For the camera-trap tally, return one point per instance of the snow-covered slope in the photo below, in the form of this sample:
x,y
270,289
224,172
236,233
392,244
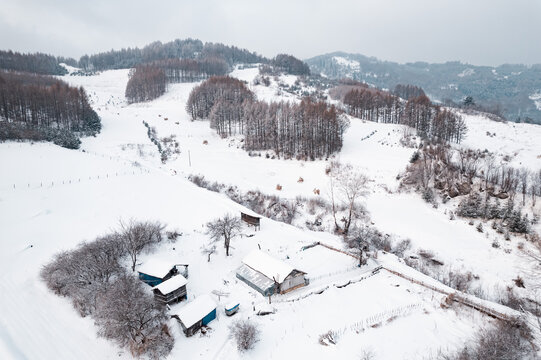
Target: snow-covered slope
x,y
52,199
519,142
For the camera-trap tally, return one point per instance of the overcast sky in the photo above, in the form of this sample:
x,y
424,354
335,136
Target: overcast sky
x,y
481,32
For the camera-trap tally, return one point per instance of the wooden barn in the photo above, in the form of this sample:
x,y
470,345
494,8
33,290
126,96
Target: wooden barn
x,y
171,290
269,275
196,314
154,272
251,219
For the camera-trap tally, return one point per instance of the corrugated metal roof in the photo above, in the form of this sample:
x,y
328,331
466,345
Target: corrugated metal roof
x,y
256,278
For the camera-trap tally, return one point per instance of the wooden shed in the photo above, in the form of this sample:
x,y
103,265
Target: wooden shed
x,y
171,290
268,275
251,219
196,314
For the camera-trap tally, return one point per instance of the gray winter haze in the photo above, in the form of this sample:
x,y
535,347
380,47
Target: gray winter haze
x,y
480,32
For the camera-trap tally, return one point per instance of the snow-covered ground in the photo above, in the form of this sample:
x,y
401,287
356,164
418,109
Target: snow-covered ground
x,y
519,141
52,199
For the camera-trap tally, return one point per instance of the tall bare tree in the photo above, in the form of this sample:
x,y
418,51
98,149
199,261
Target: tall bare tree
x,y
347,185
226,227
139,236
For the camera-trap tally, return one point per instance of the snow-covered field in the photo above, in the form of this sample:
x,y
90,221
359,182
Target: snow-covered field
x,y
52,199
519,141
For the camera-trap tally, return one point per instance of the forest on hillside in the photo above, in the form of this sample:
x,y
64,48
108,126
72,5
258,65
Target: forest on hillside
x,y
38,107
308,130
506,90
176,49
37,63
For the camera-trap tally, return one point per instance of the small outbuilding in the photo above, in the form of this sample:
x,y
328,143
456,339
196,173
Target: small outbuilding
x,y
154,271
251,219
196,314
171,290
268,275
231,308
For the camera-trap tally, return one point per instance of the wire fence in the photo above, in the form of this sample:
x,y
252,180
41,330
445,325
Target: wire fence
x,y
137,169
47,184
321,290
334,273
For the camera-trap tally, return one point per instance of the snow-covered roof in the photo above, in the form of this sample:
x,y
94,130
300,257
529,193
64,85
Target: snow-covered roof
x,y
272,268
155,267
171,284
250,212
231,304
196,310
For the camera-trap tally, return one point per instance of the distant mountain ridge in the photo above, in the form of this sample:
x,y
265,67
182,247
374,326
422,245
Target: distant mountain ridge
x,y
513,90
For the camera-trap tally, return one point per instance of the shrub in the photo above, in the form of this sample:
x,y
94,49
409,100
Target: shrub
x,y
245,333
507,340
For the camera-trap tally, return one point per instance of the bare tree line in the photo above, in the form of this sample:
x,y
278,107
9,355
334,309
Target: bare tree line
x,y
305,130
147,82
190,70
431,121
37,63
93,277
476,174
204,96
40,107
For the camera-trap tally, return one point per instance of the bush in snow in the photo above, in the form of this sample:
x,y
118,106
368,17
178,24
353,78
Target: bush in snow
x,y
471,206
428,195
510,340
479,227
518,223
245,333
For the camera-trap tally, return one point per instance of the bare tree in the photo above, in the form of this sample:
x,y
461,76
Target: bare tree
x,y
359,241
523,178
533,255
138,236
489,171
245,333
226,227
535,186
346,185
83,273
128,314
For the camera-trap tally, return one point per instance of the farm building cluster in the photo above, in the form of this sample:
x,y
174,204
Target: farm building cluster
x,y
260,271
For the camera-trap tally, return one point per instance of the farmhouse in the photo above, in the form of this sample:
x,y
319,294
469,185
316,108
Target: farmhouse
x,y
251,219
269,275
154,272
171,290
196,314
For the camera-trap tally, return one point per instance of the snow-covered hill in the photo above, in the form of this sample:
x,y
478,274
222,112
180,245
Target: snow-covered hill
x,y
52,199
